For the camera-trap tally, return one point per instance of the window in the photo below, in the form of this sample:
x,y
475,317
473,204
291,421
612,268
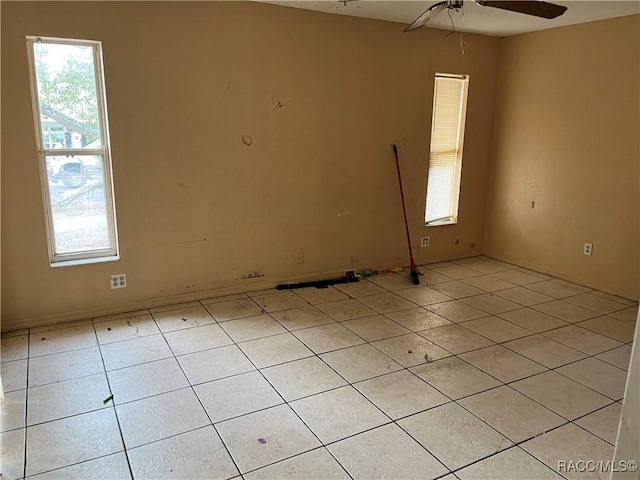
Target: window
x,y
72,138
445,157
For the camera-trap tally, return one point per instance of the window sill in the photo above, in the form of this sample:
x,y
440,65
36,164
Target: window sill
x,y
442,222
84,261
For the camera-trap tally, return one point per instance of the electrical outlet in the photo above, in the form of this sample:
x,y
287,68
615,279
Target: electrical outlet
x,y
119,281
298,258
588,249
425,241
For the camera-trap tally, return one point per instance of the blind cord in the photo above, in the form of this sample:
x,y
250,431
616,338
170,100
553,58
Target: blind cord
x,y
461,35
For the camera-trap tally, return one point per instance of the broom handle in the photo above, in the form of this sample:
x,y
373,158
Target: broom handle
x,y
404,209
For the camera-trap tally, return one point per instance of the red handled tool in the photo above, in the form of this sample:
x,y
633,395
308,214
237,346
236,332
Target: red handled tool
x,y
414,269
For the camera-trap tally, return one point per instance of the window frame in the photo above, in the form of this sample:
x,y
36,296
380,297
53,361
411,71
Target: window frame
x,y
85,256
451,219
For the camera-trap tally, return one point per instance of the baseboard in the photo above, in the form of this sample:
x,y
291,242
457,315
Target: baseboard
x,y
556,274
32,322
154,302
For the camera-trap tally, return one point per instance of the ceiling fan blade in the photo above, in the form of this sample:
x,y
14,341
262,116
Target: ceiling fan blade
x,y
429,14
535,8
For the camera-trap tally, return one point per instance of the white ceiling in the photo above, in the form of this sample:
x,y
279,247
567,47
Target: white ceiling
x,y
474,18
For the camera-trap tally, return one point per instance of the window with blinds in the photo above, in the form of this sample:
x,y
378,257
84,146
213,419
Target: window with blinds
x,y
445,157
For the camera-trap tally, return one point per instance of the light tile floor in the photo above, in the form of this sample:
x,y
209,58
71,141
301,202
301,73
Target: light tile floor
x,y
486,370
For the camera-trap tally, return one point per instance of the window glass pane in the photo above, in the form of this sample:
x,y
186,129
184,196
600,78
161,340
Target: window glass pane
x,y
67,96
439,192
78,203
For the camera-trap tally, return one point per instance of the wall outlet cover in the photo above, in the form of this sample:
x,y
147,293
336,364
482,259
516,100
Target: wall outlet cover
x,y
118,280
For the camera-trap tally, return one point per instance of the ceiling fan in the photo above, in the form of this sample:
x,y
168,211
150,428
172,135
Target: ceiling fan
x,y
534,7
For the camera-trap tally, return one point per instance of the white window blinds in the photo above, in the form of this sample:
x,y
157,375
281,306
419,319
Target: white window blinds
x,y
445,158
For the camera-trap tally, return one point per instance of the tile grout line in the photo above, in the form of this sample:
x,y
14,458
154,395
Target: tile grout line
x,y
612,401
26,407
514,446
531,376
202,405
283,399
71,416
352,385
591,413
189,386
287,403
348,384
113,405
485,423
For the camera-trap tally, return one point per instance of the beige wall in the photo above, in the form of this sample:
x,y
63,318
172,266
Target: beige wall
x,y
566,136
184,82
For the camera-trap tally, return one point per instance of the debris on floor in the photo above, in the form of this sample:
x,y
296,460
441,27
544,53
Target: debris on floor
x,y
316,283
428,358
262,441
108,399
350,273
